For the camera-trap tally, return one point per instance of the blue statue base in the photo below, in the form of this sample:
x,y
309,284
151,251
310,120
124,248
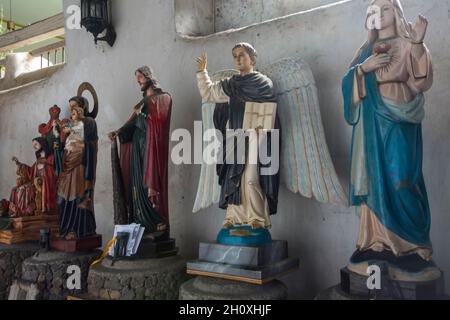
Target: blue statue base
x,y
244,236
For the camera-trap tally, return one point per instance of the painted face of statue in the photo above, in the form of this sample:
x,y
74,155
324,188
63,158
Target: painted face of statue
x,y
73,104
54,114
141,80
74,115
37,146
384,9
242,60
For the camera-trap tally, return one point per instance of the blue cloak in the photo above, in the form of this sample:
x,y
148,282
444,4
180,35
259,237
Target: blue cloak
x,y
387,157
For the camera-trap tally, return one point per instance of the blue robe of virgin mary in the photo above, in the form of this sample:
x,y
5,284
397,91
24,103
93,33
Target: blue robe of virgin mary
x,y
386,165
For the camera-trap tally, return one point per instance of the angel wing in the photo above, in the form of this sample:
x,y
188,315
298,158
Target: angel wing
x,y
306,165
208,191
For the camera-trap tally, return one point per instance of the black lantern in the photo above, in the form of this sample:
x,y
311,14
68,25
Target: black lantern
x,y
95,17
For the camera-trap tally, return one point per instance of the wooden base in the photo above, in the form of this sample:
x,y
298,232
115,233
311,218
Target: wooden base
x,y
80,245
77,298
28,229
238,278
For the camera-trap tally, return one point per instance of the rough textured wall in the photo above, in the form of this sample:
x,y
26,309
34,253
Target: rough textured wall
x,y
194,17
239,13
323,236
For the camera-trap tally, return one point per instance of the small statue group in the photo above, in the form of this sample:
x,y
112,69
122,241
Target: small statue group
x,y
62,179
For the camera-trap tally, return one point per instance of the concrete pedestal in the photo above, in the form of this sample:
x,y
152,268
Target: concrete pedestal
x,y
48,271
11,259
353,286
206,288
335,293
139,279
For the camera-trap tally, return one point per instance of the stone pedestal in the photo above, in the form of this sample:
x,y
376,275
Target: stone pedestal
x,y
335,293
11,259
206,288
355,285
48,271
137,279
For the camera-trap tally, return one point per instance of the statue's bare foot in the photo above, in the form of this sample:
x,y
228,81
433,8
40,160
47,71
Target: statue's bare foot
x,y
228,225
161,227
71,236
86,204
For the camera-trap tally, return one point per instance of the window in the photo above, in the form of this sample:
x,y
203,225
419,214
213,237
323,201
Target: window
x,y
33,41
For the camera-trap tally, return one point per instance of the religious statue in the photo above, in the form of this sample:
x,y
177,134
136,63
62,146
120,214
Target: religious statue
x,y
23,200
144,152
76,181
51,131
40,178
384,102
265,109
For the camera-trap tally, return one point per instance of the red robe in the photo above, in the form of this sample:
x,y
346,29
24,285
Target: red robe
x,y
21,202
49,181
156,154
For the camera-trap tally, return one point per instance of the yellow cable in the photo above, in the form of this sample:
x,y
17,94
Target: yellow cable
x,y
105,252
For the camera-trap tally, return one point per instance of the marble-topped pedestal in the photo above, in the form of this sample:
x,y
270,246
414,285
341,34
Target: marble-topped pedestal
x,y
251,264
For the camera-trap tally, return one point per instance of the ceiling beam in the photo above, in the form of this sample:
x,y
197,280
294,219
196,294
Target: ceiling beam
x,y
42,30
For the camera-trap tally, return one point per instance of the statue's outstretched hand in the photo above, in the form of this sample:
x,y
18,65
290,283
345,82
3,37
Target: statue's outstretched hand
x,y
14,159
419,29
202,62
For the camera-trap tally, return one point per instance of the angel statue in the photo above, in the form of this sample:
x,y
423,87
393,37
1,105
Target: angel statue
x,y
247,100
384,102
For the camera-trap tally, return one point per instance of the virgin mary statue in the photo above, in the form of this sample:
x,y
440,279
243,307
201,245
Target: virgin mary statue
x,y
384,102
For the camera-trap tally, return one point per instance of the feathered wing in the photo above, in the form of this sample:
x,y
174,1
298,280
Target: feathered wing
x,y
306,165
208,191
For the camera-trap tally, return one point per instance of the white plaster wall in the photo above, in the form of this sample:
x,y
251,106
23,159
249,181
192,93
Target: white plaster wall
x,y
231,14
322,236
194,17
